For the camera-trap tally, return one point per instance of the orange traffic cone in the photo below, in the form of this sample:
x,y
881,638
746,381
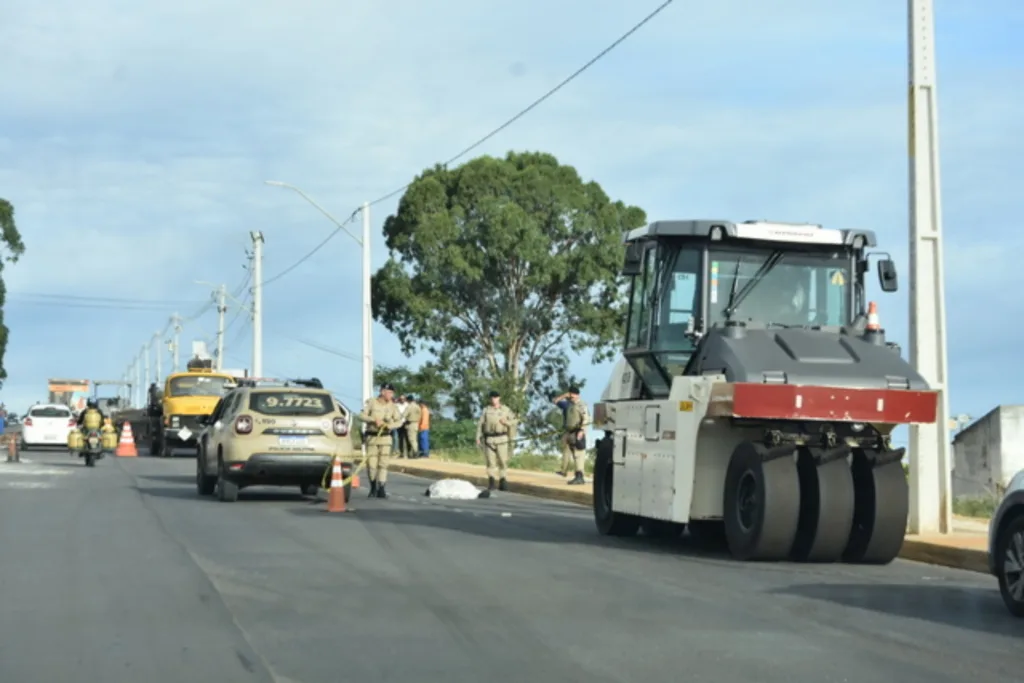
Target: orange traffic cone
x,y
126,448
874,323
355,481
336,494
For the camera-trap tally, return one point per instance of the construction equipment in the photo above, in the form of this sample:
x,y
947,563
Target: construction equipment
x,y
757,395
187,396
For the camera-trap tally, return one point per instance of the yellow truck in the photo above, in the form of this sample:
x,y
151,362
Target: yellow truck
x,y
175,413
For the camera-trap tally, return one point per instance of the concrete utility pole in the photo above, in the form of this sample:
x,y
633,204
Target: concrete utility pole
x,y
138,380
931,505
129,394
367,309
257,303
176,344
222,308
158,349
145,352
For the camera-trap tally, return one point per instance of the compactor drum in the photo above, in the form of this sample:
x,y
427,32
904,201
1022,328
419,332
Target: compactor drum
x,y
756,395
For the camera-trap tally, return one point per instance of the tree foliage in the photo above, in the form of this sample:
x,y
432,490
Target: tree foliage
x,y
500,268
427,384
11,249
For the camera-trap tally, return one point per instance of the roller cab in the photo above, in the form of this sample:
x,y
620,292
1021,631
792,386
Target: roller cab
x,y
756,394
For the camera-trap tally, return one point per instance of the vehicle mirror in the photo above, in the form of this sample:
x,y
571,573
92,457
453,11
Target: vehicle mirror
x,y
634,264
887,276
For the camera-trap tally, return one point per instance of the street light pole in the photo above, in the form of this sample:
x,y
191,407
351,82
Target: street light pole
x,y
138,379
931,505
222,308
145,351
159,351
257,304
367,310
176,348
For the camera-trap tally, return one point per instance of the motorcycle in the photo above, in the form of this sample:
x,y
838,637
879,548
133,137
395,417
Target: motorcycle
x,y
91,444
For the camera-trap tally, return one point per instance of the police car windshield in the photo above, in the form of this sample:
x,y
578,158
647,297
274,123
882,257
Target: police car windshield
x,y
201,386
800,289
292,403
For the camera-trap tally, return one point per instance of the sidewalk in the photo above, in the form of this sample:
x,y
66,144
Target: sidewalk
x,y
965,548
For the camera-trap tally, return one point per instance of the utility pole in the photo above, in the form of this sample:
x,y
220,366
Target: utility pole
x,y
145,351
367,310
931,505
222,308
138,380
257,303
130,388
158,349
176,344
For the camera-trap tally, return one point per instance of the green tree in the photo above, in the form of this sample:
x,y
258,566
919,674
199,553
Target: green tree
x,y
501,268
11,249
427,384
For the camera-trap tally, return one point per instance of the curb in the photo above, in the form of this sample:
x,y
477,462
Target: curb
x,y
944,555
913,549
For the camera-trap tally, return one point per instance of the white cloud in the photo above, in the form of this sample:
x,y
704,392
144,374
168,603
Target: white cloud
x,y
134,142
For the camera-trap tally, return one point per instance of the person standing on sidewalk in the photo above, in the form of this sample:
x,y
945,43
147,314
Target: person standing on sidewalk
x,y
492,433
411,427
424,435
399,432
380,415
577,419
562,402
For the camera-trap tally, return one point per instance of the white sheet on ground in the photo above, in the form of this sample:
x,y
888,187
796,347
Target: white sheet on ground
x,y
454,489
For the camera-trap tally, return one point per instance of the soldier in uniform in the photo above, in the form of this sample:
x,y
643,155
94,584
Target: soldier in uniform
x,y
492,432
574,445
380,415
412,427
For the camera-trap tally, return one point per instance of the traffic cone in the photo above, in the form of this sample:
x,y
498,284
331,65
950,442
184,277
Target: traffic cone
x,y
336,494
874,323
126,447
355,481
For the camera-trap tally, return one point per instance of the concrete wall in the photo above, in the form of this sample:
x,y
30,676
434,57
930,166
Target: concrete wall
x,y
988,453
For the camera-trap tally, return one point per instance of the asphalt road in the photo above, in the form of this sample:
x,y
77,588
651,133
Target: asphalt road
x,y
121,574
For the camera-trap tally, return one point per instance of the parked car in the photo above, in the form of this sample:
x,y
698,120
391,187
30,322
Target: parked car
x,y
273,433
47,424
1006,546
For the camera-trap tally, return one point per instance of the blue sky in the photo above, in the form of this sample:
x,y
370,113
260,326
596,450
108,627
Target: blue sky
x,y
134,142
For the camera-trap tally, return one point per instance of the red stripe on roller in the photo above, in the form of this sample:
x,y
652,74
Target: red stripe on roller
x,y
792,402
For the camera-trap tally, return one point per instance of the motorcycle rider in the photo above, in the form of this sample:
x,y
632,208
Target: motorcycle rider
x,y
92,418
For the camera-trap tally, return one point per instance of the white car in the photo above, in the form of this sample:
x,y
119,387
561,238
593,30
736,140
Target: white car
x,y
1006,546
47,424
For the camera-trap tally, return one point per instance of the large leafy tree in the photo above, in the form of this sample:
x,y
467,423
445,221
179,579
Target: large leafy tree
x,y
501,268
11,249
427,383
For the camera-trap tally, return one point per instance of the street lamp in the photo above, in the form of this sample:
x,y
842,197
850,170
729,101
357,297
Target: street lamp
x,y
364,243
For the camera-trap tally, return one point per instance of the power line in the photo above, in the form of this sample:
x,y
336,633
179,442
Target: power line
x,y
107,306
100,299
523,112
314,250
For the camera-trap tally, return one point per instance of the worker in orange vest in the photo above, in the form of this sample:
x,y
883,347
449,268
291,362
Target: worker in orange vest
x,y
424,432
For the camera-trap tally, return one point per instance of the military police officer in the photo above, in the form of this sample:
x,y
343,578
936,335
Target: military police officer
x,y
574,445
492,432
380,415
